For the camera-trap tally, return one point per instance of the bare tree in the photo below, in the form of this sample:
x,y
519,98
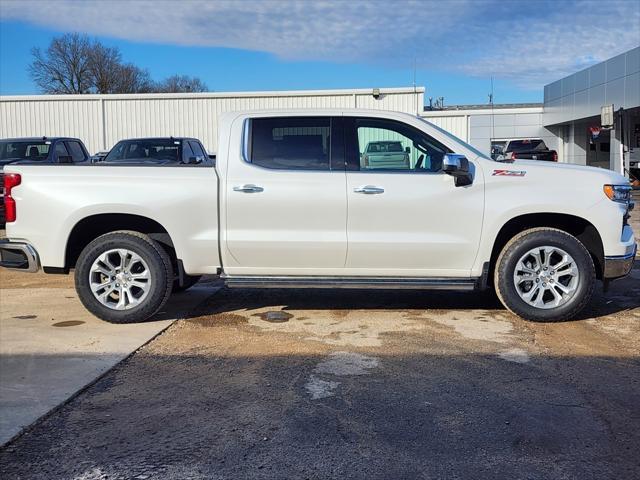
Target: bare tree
x,y
105,64
181,84
132,79
74,63
64,66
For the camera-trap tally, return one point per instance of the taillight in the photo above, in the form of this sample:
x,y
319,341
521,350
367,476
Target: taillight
x,y
554,156
10,180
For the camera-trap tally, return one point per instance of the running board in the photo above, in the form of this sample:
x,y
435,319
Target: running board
x,y
411,283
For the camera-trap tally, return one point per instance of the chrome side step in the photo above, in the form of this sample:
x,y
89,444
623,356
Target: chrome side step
x,y
414,283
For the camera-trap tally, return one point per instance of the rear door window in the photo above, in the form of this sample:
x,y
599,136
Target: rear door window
x,y
187,152
61,150
77,153
289,143
197,149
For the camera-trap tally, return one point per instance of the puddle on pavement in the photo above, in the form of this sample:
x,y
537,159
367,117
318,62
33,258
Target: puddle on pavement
x,y
68,323
275,316
516,355
25,317
337,364
217,320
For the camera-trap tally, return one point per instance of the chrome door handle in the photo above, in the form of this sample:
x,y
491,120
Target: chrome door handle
x,y
248,189
369,190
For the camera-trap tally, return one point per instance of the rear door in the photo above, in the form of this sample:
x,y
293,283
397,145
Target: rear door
x,y
286,200
407,218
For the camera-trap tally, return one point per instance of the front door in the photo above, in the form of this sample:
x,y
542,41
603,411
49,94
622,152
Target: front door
x,y
405,216
286,206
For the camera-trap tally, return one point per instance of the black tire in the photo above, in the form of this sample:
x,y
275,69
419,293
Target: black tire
x,y
160,276
189,281
538,237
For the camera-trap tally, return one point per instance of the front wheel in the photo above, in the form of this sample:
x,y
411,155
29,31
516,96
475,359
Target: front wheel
x,y
123,277
544,274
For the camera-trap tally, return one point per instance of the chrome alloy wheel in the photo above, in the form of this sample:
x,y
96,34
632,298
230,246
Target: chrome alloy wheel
x,y
120,279
546,277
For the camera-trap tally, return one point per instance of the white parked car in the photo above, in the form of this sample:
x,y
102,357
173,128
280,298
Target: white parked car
x,y
291,203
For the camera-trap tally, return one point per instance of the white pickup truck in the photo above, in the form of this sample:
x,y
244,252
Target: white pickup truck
x,y
291,203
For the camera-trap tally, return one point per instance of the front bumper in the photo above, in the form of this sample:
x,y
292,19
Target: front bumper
x,y
18,255
619,266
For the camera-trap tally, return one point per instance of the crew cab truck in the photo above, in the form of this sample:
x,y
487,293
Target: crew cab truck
x,y
291,203
528,149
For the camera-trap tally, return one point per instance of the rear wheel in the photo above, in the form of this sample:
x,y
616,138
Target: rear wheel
x,y
544,274
123,277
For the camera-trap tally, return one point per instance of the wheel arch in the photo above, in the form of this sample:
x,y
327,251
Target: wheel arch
x,y
92,226
579,227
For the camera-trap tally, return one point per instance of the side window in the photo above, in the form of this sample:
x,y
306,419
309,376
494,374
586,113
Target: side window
x,y
289,143
77,153
61,150
187,153
387,145
197,150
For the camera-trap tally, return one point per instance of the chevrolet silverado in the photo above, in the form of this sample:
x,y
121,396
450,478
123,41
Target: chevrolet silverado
x,y
291,202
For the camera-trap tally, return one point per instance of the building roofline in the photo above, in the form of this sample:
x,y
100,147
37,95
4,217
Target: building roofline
x,y
483,106
271,93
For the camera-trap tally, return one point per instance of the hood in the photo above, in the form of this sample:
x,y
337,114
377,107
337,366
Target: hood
x,y
565,170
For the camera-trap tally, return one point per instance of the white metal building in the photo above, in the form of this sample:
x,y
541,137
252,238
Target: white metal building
x,y
483,126
101,120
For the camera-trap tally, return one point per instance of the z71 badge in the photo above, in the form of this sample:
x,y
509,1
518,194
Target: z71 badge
x,y
509,173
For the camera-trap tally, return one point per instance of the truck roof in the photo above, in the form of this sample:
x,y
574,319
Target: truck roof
x,y
37,139
157,138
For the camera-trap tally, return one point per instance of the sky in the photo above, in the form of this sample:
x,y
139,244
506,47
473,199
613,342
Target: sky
x,y
453,48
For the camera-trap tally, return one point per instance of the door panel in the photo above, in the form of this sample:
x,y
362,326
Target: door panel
x,y
406,217
421,225
286,211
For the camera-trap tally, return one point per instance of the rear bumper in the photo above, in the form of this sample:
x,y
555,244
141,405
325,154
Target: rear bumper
x,y
18,255
619,266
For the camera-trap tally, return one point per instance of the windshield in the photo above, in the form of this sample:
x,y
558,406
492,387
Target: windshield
x,y
456,139
524,145
162,150
384,147
21,150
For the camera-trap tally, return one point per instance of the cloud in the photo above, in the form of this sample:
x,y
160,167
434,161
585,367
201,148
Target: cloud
x,y
528,43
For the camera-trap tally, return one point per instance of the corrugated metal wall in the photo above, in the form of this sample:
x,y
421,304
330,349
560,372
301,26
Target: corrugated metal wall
x,y
101,120
457,125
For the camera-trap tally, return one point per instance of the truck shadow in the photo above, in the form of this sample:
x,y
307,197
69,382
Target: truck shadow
x,y
622,295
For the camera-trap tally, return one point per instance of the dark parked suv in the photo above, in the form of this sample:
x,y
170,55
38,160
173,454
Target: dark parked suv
x,y
38,150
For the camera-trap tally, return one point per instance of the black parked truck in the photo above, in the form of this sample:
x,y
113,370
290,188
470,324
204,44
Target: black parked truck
x,y
528,149
157,151
63,150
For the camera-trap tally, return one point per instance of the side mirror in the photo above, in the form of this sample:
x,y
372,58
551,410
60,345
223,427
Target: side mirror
x,y
458,167
195,160
65,159
407,150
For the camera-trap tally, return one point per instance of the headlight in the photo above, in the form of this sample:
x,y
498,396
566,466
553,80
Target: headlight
x,y
618,193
